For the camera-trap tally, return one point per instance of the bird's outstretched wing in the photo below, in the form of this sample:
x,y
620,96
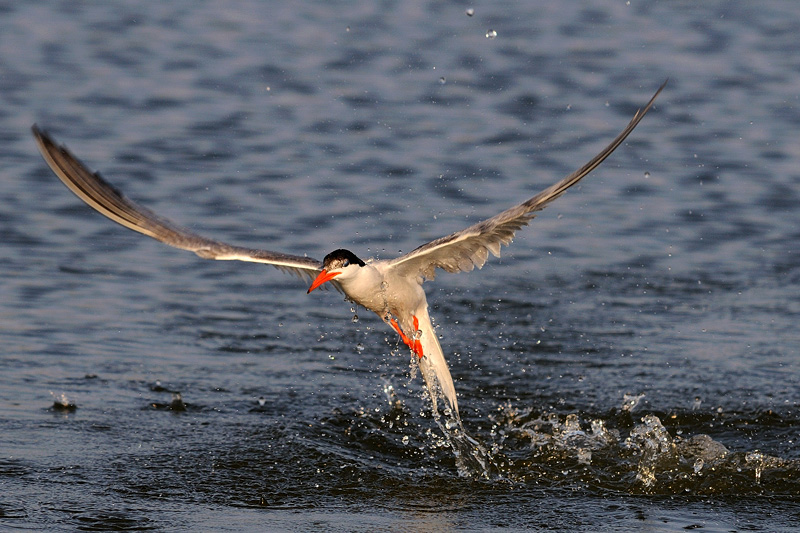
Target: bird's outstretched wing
x,y
469,248
102,196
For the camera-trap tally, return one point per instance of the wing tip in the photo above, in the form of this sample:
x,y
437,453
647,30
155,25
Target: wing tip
x,y
41,136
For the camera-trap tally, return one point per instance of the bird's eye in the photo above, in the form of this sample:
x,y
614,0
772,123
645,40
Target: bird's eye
x,y
346,263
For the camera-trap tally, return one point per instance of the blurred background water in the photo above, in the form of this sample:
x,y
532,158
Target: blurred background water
x,y
632,360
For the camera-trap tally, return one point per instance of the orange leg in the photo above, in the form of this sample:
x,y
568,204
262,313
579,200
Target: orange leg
x,y
417,344
399,331
414,344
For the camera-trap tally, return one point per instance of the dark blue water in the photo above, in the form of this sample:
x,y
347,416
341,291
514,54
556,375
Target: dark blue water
x,y
631,362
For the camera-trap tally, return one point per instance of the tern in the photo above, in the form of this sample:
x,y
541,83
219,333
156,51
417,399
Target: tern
x,y
390,288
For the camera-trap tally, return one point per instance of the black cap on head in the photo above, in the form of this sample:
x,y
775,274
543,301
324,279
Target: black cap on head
x,y
341,258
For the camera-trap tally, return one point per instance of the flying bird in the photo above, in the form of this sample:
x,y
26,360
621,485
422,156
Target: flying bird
x,y
390,288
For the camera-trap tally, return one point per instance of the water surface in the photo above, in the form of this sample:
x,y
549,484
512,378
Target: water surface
x,y
631,362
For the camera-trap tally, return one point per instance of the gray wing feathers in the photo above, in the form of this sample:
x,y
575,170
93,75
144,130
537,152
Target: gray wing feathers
x,y
469,248
102,196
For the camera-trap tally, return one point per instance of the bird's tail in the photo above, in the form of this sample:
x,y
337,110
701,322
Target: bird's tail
x,y
433,365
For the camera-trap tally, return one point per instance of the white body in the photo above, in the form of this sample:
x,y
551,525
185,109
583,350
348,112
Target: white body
x,y
381,289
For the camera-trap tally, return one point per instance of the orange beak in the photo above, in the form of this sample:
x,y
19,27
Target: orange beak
x,y
322,278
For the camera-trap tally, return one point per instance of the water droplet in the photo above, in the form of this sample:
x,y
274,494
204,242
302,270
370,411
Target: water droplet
x,y
442,80
697,402
646,174
360,347
405,439
262,401
584,456
62,403
355,318
177,403
491,34
630,401
470,11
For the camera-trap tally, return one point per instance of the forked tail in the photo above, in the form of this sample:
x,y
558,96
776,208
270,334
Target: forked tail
x,y
433,365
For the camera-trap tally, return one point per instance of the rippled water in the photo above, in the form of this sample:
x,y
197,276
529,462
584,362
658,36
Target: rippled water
x,y
630,363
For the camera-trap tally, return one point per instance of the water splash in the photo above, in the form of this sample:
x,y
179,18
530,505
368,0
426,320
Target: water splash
x,y
655,448
472,458
630,401
696,403
640,456
62,404
613,451
177,404
759,462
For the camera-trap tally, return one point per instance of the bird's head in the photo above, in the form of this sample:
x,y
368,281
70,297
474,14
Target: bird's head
x,y
340,262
